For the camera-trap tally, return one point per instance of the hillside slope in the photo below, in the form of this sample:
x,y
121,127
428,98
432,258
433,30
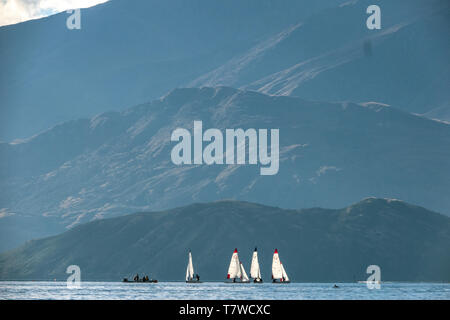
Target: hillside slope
x,y
319,50
331,154
332,56
409,243
126,53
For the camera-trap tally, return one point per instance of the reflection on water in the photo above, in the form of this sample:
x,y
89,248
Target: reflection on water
x,y
221,291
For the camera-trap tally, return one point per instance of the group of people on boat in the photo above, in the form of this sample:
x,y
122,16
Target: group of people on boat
x,y
144,278
138,279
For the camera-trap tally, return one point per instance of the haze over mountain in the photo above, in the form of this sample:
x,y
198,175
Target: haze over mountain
x,y
116,163
94,135
126,52
130,52
409,243
333,56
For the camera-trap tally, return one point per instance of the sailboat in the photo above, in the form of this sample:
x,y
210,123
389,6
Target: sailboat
x,y
236,270
255,271
279,274
190,277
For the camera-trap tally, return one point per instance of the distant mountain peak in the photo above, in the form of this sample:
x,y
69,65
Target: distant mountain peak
x,y
182,94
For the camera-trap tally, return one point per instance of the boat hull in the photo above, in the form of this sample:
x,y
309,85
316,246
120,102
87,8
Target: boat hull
x,y
237,282
140,281
281,282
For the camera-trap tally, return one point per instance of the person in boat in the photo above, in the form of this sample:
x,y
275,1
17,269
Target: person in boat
x,y
335,286
146,278
136,277
197,277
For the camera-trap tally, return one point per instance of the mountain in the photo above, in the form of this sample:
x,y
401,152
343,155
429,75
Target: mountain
x,y
130,52
333,56
116,163
407,242
126,53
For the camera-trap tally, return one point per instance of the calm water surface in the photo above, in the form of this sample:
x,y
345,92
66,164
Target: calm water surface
x,y
221,291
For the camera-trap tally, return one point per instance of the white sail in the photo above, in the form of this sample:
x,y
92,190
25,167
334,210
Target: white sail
x,y
283,272
244,276
277,272
255,272
234,271
190,268
187,273
239,269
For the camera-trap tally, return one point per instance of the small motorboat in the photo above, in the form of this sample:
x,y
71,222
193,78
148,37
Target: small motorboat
x,y
140,280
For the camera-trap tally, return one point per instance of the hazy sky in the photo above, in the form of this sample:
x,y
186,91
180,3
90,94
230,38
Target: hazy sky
x,y
14,11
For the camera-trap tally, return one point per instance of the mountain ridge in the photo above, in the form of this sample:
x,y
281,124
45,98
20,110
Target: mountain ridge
x,y
263,45
318,245
116,59
330,154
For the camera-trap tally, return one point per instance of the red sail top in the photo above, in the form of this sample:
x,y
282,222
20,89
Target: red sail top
x,y
276,251
235,250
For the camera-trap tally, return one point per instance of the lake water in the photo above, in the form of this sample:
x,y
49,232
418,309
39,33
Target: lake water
x,y
220,291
